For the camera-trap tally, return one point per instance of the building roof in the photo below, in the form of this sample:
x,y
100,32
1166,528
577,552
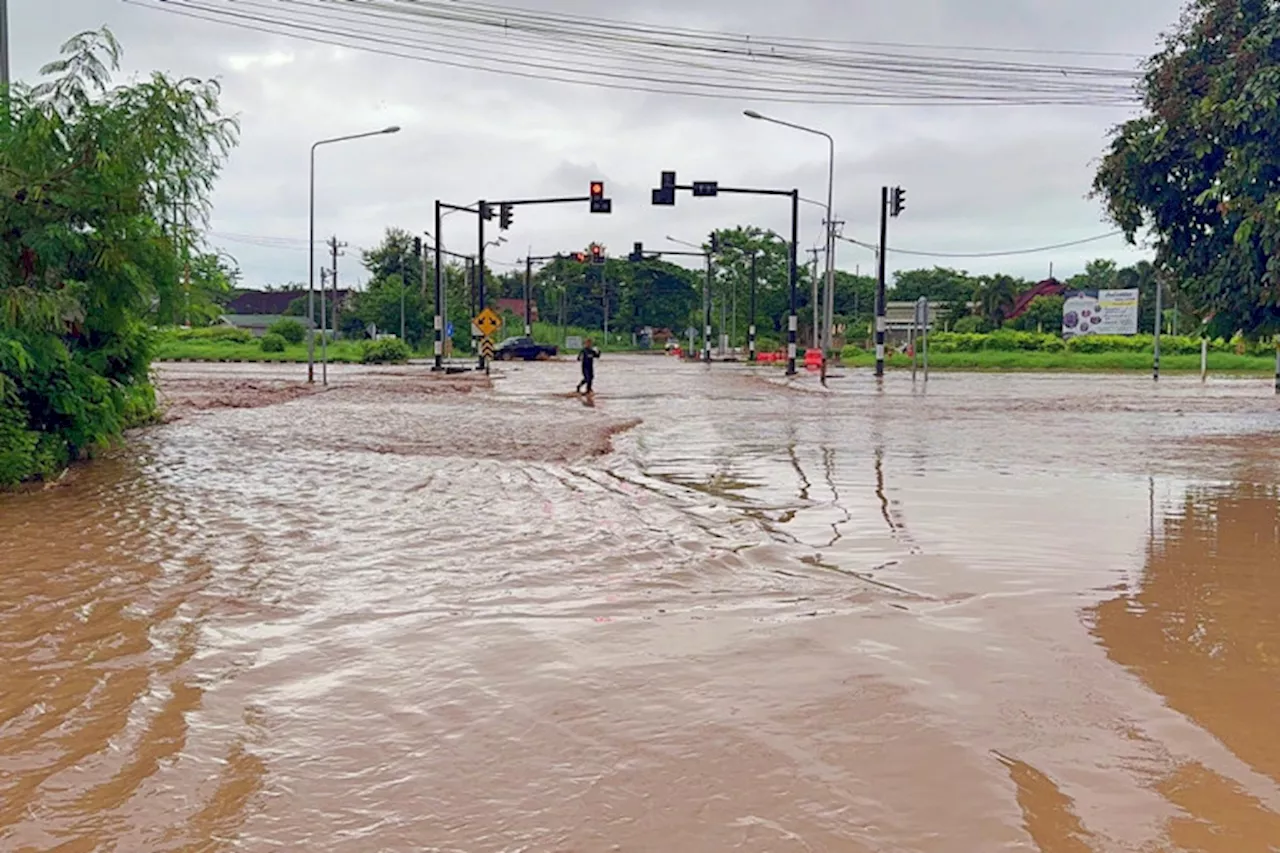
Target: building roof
x,y
260,321
516,306
273,301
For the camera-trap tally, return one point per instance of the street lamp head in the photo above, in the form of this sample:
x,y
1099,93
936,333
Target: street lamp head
x,y
751,114
395,128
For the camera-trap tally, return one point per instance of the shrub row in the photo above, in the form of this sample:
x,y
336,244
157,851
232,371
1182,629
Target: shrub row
x,y
1010,341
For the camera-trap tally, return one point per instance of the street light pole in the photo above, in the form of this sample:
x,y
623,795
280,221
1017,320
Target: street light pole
x,y
829,300
311,240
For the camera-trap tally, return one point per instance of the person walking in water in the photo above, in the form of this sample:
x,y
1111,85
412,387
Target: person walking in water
x,y
588,358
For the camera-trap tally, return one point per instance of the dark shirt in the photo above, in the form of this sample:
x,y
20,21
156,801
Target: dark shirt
x,y
588,358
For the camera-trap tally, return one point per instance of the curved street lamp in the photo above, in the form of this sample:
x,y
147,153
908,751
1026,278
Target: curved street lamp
x,y
829,305
311,271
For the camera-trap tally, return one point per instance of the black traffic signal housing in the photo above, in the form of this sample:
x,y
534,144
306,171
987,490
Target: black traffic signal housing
x,y
505,215
715,243
637,253
705,189
486,211
897,201
578,257
417,247
600,204
666,193
597,253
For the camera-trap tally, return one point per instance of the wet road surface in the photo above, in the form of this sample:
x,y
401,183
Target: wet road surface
x,y
706,610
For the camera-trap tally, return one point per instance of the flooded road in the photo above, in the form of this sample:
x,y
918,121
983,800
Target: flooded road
x,y
708,611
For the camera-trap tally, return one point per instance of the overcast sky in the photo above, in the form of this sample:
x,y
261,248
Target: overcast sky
x,y
978,178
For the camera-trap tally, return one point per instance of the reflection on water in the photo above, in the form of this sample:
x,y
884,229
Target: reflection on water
x,y
392,617
1202,630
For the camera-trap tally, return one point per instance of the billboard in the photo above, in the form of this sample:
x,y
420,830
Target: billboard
x,y
1100,312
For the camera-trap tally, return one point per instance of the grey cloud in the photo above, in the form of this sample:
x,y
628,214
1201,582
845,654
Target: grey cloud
x,y
977,179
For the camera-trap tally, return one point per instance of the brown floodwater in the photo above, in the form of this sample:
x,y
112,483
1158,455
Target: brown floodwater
x,y
707,610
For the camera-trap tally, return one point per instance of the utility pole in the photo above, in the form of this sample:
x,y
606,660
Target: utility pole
x,y
335,249
880,295
817,310
528,295
830,313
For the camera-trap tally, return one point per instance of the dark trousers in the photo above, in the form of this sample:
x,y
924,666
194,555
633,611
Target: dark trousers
x,y
588,377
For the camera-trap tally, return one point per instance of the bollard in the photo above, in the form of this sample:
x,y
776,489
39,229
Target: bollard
x,y
1204,359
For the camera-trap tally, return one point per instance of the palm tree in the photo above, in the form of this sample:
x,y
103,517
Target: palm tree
x,y
996,295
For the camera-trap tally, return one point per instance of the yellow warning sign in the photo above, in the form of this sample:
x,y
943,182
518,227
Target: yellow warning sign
x,y
486,348
488,322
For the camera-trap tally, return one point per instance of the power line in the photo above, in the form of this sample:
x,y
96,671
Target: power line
x,y
625,56
1036,250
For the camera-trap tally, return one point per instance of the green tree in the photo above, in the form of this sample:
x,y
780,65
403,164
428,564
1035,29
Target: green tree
x,y
1043,314
103,188
996,295
1200,168
733,275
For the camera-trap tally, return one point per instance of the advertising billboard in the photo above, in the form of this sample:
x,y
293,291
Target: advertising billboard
x,y
1100,312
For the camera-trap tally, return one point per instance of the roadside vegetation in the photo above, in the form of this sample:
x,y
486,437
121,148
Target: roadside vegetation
x,y
103,190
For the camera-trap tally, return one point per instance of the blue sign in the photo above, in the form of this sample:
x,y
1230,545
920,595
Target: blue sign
x,y
448,330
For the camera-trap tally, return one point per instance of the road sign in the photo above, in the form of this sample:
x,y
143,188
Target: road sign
x,y
448,330
488,322
486,348
573,342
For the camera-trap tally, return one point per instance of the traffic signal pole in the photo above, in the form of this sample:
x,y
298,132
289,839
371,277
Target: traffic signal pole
x,y
751,329
706,314
794,274
438,346
528,297
880,294
481,302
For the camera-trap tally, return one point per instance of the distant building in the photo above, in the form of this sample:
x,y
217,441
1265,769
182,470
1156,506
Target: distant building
x,y
277,302
257,324
514,306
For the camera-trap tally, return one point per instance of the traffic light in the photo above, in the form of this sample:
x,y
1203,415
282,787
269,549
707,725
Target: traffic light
x,y
486,211
504,216
579,257
637,253
600,204
597,253
706,188
897,201
666,193
417,247
715,243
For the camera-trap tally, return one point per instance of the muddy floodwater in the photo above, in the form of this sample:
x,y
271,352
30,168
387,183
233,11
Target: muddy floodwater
x,y
708,610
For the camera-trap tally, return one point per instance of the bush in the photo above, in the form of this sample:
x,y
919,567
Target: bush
x,y
968,326
386,351
271,342
229,334
289,329
1008,340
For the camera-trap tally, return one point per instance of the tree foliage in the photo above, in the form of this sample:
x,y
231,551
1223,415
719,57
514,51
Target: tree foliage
x,y
1200,168
102,186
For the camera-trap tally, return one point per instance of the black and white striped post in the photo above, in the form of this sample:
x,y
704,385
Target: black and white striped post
x,y
880,294
751,328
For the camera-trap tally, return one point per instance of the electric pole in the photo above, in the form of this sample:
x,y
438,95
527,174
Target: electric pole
x,y
335,249
817,310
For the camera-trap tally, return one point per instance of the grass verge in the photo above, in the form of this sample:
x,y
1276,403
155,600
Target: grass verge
x,y
1099,362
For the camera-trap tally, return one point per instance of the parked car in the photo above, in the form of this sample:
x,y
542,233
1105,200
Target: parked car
x,y
523,348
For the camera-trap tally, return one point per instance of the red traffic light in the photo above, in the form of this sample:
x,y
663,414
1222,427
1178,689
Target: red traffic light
x,y
597,189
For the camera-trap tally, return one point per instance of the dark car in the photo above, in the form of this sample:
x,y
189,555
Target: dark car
x,y
523,348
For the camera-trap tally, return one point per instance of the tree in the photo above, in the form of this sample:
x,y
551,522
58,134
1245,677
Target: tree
x,y
733,274
1200,168
103,189
1099,274
996,295
1044,314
